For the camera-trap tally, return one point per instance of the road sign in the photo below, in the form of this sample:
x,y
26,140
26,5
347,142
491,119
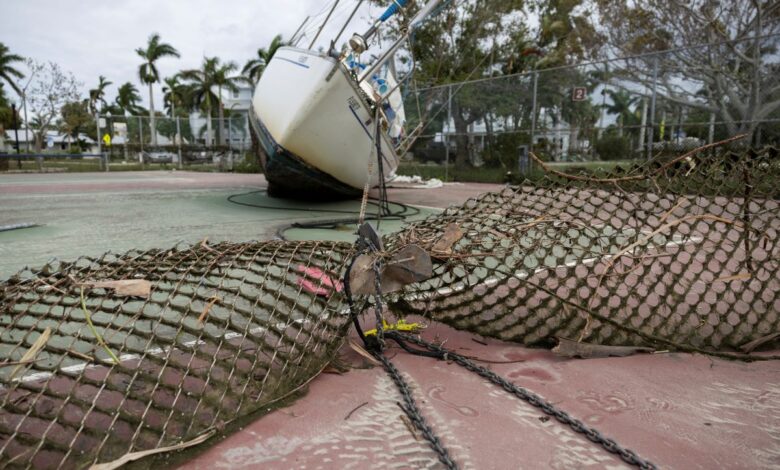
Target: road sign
x,y
50,142
107,140
579,93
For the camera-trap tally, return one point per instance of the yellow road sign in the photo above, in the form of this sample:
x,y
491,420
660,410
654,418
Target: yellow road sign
x,y
107,140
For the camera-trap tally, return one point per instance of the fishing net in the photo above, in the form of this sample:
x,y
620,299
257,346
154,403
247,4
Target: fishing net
x,y
675,254
224,330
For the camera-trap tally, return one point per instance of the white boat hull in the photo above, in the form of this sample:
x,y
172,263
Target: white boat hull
x,y
316,127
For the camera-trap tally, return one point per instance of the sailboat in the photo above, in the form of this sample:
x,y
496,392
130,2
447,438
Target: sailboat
x,y
326,124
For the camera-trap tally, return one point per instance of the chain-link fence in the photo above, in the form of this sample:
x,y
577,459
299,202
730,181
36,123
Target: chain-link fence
x,y
618,109
180,141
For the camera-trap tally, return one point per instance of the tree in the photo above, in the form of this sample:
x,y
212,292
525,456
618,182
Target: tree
x,y
127,99
254,68
76,119
735,77
200,83
50,90
622,101
148,73
7,70
97,95
174,94
224,81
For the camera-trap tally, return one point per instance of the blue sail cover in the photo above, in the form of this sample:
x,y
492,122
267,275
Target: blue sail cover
x,y
392,9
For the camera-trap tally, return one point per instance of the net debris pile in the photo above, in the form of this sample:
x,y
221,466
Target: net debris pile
x,y
129,352
675,254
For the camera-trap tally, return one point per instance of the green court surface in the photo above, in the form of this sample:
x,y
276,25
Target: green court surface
x,y
82,214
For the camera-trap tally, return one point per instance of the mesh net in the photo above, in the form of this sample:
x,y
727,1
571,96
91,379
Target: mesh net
x,y
226,330
679,254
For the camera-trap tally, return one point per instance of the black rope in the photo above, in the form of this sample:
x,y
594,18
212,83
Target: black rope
x,y
531,398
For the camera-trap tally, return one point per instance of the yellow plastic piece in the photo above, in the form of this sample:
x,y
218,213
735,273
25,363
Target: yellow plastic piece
x,y
400,325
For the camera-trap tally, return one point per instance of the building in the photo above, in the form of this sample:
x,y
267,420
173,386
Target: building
x,y
53,141
236,105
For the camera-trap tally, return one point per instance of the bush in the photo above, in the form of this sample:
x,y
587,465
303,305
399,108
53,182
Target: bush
x,y
613,147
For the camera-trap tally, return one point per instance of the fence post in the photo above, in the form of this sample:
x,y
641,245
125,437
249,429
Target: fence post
x,y
178,140
651,133
141,139
533,110
447,135
106,158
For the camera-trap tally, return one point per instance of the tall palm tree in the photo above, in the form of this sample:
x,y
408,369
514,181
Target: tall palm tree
x,y
621,105
254,67
7,70
97,95
147,71
127,99
225,81
200,88
174,93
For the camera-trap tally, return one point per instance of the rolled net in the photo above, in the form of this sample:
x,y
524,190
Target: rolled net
x,y
226,330
676,254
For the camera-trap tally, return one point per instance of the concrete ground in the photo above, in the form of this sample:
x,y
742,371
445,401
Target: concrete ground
x,y
676,410
91,213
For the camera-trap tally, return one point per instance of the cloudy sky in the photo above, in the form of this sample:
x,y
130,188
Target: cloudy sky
x,y
99,37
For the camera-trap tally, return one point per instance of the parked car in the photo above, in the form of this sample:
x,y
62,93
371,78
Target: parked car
x,y
159,157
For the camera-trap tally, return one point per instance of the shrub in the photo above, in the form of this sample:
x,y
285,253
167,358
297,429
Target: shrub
x,y
613,147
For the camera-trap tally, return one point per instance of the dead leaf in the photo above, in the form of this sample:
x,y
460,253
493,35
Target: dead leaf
x,y
756,343
126,287
127,458
29,356
360,350
451,235
569,348
206,309
736,277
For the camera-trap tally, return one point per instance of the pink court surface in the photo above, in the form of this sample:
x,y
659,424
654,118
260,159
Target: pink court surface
x,y
676,410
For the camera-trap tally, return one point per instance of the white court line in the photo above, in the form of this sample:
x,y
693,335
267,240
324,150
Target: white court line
x,y
76,368
569,264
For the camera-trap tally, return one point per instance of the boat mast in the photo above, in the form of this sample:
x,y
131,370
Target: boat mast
x,y
359,43
335,4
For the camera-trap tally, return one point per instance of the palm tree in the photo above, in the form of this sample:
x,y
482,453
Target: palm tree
x,y
223,80
621,105
127,99
254,67
7,70
174,93
147,71
97,94
200,84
